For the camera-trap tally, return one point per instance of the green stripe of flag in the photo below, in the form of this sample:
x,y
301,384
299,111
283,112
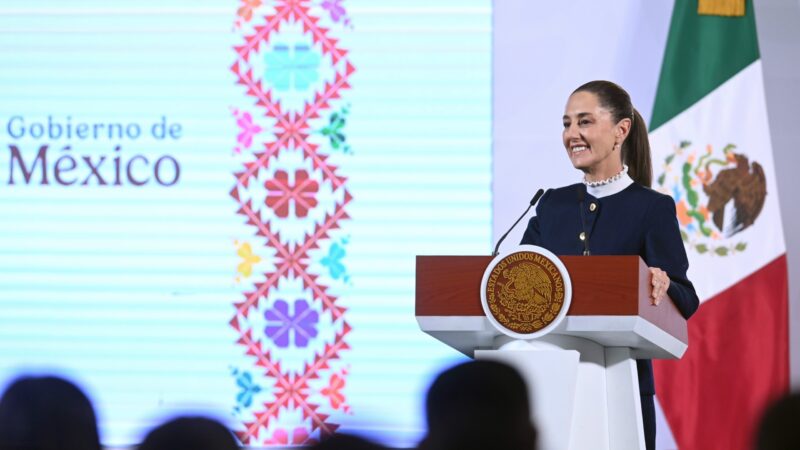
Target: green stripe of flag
x,y
702,53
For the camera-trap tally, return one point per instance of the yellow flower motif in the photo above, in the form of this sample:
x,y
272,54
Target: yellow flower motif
x,y
249,259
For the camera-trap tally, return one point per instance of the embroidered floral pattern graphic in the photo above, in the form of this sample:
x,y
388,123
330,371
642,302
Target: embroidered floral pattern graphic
x,y
292,70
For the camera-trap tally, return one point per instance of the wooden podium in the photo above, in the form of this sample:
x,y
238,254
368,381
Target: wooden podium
x,y
582,376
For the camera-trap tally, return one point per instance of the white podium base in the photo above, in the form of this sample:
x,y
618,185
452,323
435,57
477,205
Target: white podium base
x,y
583,396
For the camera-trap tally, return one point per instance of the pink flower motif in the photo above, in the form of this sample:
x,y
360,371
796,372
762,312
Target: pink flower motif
x,y
248,129
280,193
334,391
281,437
245,12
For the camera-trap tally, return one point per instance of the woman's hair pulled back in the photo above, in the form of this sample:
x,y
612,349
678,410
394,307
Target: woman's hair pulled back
x,y
636,148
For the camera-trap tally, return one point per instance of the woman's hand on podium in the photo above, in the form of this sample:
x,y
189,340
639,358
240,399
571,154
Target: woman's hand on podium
x,y
660,282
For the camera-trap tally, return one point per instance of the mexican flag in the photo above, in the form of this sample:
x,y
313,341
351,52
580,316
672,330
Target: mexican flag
x,y
712,153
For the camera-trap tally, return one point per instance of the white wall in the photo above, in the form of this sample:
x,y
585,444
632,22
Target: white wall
x,y
779,39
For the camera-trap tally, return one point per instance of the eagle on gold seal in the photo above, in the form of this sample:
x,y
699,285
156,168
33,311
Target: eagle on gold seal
x,y
525,292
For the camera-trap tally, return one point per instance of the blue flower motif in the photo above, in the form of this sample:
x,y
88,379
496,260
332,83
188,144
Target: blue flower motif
x,y
294,67
248,389
281,323
333,261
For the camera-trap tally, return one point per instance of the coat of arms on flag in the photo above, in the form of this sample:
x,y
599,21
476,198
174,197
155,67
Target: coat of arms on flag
x,y
718,193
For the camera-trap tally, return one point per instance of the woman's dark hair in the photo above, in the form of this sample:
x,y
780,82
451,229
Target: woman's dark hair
x,y
47,413
636,148
196,433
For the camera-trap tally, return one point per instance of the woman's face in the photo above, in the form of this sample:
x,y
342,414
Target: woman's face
x,y
590,135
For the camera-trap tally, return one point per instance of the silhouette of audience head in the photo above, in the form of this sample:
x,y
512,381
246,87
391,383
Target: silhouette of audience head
x,y
195,433
47,413
779,428
347,442
479,405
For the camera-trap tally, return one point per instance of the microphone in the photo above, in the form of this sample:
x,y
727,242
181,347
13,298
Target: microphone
x,y
535,199
584,236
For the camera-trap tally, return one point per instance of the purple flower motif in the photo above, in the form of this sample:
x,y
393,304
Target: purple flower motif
x,y
336,10
280,323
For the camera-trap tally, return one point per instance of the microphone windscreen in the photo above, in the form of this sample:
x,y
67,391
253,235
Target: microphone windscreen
x,y
537,196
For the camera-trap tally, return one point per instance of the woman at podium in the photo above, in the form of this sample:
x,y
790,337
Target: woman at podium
x,y
613,211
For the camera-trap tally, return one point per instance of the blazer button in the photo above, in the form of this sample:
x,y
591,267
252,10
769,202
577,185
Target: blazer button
x,y
592,206
582,236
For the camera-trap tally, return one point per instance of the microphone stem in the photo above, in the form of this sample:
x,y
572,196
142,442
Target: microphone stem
x,y
535,199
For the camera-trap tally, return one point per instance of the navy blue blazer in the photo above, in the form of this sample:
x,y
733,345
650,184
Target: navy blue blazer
x,y
635,221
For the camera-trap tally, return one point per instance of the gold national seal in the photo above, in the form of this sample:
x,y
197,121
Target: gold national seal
x,y
525,292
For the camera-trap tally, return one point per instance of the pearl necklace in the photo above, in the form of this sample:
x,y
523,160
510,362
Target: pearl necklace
x,y
607,180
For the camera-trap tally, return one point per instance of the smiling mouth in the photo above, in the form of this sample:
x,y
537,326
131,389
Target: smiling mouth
x,y
578,149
